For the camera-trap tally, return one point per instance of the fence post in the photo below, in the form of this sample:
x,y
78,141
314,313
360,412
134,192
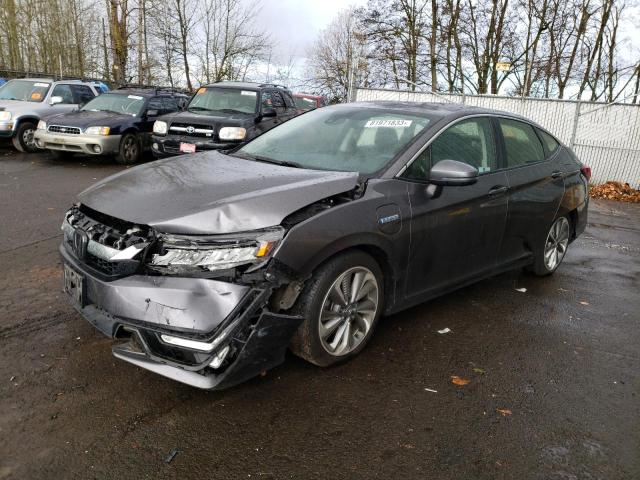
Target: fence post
x,y
576,119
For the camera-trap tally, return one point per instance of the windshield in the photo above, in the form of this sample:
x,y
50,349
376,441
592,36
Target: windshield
x,y
304,103
24,90
339,138
116,103
226,100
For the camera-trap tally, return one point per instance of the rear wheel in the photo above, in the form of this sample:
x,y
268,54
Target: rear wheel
x,y
550,256
341,306
23,140
129,151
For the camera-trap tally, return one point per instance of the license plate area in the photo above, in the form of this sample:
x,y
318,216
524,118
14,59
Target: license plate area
x,y
187,147
74,285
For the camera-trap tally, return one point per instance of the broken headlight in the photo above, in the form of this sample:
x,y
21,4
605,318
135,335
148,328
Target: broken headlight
x,y
182,254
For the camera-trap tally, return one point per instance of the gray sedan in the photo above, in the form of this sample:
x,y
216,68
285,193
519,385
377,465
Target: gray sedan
x,y
207,267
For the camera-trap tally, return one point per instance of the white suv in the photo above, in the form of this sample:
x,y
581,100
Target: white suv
x,y
25,101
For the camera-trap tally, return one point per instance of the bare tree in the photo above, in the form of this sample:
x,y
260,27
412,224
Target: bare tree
x,y
334,55
232,43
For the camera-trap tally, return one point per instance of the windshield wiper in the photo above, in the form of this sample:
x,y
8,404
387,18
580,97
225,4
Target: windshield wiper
x,y
204,109
260,158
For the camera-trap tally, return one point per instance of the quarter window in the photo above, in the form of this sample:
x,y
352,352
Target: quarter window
x,y
521,143
550,143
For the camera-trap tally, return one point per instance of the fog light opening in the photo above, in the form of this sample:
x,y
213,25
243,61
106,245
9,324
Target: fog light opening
x,y
219,357
97,148
155,146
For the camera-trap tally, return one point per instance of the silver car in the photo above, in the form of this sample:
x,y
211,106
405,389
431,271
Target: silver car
x,y
24,102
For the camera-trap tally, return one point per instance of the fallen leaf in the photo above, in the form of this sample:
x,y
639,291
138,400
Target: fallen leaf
x,y
459,380
521,289
584,303
444,330
481,371
505,412
431,390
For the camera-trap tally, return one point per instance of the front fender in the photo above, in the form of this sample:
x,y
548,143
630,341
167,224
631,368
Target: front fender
x,y
355,224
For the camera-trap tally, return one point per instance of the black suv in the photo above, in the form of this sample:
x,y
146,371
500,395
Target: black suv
x,y
116,123
221,116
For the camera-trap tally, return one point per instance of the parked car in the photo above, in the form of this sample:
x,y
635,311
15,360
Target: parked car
x,y
221,116
306,101
117,123
206,269
24,102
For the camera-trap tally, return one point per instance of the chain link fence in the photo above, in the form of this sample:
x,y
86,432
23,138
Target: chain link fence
x,y
604,136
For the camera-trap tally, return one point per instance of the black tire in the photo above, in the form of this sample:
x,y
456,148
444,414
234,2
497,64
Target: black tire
x,y
555,244
23,139
307,342
129,150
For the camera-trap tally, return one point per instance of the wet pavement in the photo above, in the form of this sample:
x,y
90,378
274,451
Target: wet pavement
x,y
553,392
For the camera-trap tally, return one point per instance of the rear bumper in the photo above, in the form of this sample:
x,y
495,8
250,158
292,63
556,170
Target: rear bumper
x,y
139,309
87,144
169,145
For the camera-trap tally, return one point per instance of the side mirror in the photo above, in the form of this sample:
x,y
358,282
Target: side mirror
x,y
55,100
152,113
453,172
268,112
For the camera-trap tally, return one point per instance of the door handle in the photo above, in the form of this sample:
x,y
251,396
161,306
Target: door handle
x,y
497,190
556,174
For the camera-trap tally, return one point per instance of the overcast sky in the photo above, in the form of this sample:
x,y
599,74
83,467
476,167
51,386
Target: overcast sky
x,y
295,24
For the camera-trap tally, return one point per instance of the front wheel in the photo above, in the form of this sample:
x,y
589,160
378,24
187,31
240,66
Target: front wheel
x,y
23,140
340,305
550,256
129,151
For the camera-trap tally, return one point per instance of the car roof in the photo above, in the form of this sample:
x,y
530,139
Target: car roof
x,y
438,109
245,85
50,80
307,95
143,92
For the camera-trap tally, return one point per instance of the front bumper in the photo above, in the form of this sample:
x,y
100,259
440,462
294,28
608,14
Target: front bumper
x,y
139,309
6,129
169,145
87,144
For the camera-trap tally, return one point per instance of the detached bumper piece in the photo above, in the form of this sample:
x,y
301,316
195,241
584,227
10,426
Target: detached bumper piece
x,y
263,348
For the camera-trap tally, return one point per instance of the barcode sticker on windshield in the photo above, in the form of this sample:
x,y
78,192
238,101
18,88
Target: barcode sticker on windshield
x,y
247,92
134,97
388,123
41,85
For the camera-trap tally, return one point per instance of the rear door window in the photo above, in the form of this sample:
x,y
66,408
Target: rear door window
x,y
521,144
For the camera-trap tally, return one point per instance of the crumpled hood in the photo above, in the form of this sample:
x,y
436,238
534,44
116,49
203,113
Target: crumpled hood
x,y
212,193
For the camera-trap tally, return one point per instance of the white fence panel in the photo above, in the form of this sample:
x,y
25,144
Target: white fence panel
x,y
607,137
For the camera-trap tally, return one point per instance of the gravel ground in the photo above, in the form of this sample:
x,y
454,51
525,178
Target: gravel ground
x,y
553,392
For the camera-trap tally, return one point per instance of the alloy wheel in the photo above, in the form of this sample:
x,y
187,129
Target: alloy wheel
x,y
27,138
348,311
130,149
556,244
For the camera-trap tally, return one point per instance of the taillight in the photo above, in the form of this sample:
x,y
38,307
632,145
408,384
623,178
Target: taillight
x,y
586,171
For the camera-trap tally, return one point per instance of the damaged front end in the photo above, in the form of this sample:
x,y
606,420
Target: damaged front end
x,y
191,308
